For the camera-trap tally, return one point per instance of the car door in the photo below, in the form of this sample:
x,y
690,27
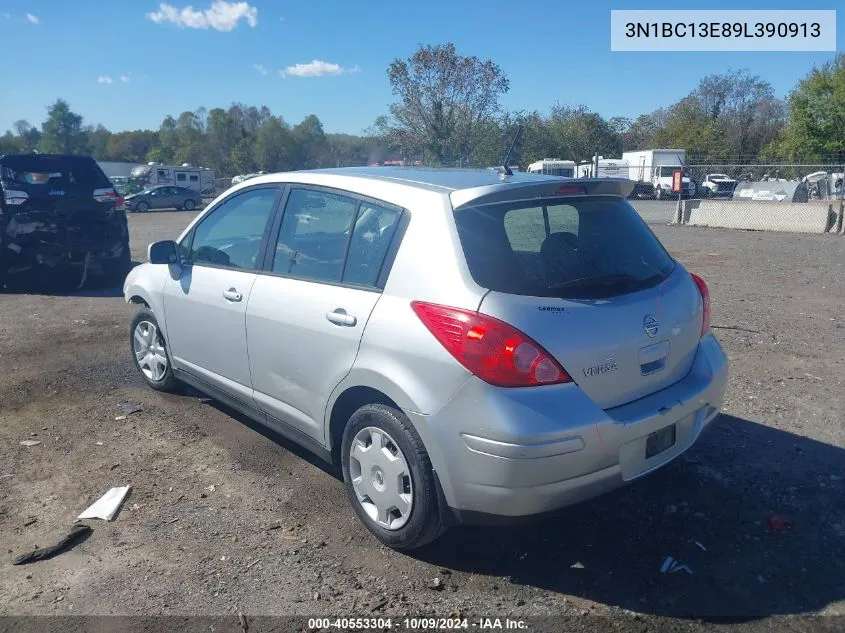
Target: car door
x,y
205,306
307,312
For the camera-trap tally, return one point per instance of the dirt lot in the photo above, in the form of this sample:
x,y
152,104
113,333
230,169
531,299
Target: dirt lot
x,y
222,518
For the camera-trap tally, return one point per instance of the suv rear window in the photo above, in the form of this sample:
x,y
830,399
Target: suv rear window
x,y
590,247
35,173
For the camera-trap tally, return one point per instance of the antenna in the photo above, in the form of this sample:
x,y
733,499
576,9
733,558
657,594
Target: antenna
x,y
505,169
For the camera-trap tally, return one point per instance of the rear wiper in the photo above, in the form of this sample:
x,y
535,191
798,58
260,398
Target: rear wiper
x,y
607,280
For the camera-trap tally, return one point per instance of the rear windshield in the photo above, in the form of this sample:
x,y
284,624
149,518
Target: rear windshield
x,y
562,247
35,174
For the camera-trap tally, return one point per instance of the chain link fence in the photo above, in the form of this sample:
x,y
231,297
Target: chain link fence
x,y
806,198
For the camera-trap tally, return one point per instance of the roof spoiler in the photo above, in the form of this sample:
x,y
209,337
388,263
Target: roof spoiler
x,y
533,190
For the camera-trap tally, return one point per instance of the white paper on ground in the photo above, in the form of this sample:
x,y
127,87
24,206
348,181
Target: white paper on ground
x,y
106,506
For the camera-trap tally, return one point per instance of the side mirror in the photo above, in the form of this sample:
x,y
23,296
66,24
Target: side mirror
x,y
164,252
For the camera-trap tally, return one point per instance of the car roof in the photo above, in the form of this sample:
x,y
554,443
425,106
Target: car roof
x,y
463,186
31,155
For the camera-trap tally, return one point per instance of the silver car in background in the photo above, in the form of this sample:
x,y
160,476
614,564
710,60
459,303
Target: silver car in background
x,y
464,344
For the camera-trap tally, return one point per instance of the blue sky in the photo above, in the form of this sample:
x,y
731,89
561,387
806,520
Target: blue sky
x,y
127,63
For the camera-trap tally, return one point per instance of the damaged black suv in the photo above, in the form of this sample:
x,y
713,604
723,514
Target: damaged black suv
x,y
60,219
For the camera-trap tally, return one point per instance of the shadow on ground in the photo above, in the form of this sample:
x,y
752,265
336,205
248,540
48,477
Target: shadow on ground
x,y
709,510
43,284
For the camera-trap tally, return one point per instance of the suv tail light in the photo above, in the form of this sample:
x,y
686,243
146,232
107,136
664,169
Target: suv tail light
x,y
494,351
105,195
705,300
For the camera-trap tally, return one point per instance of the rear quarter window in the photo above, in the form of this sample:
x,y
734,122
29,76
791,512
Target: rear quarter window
x,y
573,247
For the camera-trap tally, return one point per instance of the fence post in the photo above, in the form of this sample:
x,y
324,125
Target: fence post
x,y
679,212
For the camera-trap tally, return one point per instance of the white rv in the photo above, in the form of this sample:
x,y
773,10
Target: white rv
x,y
607,168
199,179
553,167
652,169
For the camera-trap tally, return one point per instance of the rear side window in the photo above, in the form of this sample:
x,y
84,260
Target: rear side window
x,y
39,174
374,229
313,236
567,247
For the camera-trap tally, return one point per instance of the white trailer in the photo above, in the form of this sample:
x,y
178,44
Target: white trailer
x,y
553,167
607,168
652,169
199,179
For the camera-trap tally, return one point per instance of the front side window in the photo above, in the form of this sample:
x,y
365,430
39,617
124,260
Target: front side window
x,y
313,236
231,234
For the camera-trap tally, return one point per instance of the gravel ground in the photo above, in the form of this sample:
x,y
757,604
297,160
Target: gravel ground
x,y
224,517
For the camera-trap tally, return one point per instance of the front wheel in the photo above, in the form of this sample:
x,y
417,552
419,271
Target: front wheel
x,y
142,207
149,352
389,479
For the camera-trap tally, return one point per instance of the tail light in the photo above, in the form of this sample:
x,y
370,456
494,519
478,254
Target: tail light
x,y
568,190
107,195
494,351
705,300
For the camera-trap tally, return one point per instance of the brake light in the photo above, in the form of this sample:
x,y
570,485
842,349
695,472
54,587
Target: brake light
x,y
565,190
705,300
491,349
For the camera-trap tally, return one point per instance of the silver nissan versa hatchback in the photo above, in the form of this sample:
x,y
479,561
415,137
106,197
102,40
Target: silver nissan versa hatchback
x,y
463,344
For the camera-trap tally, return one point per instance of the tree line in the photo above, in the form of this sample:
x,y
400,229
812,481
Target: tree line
x,y
447,112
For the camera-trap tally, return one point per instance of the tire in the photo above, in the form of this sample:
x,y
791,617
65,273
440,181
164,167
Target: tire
x,y
164,381
189,205
423,522
115,269
142,207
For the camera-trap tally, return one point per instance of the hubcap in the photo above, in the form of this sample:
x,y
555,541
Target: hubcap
x,y
149,350
381,478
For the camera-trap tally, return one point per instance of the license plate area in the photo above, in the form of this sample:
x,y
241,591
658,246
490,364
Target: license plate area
x,y
660,441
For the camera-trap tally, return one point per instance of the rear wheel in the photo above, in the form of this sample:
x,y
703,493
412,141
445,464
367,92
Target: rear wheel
x,y
149,352
389,479
189,205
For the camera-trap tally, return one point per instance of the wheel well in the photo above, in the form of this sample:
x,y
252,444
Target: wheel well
x,y
348,403
137,299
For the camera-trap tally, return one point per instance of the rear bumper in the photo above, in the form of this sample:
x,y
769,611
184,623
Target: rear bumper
x,y
520,452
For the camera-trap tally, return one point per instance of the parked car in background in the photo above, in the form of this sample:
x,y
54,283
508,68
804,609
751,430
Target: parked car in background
x,y
163,197
717,186
200,179
460,344
236,180
59,218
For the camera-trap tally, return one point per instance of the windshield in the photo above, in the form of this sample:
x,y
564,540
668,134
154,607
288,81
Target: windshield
x,y
568,247
667,170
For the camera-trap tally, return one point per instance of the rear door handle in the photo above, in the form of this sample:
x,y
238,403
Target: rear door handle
x,y
232,295
339,317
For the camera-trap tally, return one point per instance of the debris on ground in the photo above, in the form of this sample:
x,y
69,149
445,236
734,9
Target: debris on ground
x,y
243,622
211,488
778,523
436,584
128,408
700,546
77,534
106,507
671,565
29,443
577,566
378,605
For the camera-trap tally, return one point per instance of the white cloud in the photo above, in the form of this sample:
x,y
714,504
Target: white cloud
x,y
33,19
104,79
7,15
316,68
220,16
124,79
260,69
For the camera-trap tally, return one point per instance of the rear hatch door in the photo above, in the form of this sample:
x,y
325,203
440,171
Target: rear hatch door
x,y
68,197
586,278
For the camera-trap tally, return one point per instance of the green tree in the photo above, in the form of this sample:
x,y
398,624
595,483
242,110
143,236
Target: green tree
x,y
578,133
446,101
62,131
816,121
274,146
